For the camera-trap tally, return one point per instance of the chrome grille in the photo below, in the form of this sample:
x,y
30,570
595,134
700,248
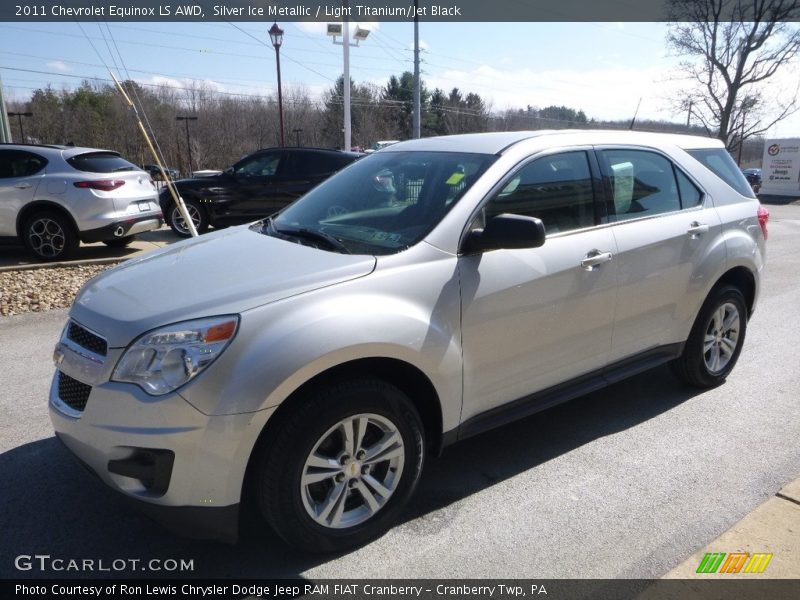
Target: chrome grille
x,y
72,392
86,339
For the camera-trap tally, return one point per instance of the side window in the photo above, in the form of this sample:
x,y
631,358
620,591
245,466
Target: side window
x,y
642,184
260,165
556,189
14,163
690,195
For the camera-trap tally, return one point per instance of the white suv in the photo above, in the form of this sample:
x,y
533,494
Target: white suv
x,y
312,361
53,197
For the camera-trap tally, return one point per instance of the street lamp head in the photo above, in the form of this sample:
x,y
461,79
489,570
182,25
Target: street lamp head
x,y
276,35
360,34
334,29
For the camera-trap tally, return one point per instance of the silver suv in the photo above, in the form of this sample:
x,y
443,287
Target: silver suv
x,y
54,197
311,362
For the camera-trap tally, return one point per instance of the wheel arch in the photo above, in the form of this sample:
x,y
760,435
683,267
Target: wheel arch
x,y
42,205
403,375
743,279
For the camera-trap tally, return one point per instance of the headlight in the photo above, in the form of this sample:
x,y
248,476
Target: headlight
x,y
166,358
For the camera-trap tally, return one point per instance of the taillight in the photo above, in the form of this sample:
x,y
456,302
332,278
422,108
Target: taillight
x,y
104,185
763,218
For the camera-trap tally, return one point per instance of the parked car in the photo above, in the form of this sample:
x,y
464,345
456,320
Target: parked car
x,y
753,178
54,197
257,186
381,144
155,172
313,361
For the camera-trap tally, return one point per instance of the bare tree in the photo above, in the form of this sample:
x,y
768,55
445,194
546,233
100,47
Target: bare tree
x,y
731,47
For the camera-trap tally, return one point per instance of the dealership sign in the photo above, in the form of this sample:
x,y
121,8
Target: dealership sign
x,y
781,167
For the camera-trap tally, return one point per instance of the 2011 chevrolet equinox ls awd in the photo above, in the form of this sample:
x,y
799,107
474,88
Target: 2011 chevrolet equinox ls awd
x,y
426,293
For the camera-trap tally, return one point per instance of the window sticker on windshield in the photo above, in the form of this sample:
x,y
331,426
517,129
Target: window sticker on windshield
x,y
455,178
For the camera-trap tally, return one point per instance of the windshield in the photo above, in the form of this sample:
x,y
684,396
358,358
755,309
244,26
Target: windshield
x,y
381,204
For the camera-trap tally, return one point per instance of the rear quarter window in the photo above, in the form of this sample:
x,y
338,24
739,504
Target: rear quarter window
x,y
719,162
101,162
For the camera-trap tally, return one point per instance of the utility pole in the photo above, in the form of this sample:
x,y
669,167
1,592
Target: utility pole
x,y
297,132
415,119
689,114
348,125
5,127
19,116
276,36
188,142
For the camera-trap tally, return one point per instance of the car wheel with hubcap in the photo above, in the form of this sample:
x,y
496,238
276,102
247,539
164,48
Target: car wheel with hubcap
x,y
716,339
341,465
197,214
50,236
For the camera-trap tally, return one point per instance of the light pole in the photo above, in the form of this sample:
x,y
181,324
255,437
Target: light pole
x,y
297,132
19,116
276,36
343,29
188,143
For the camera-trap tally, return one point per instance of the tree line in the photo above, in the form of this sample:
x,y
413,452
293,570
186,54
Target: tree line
x,y
229,126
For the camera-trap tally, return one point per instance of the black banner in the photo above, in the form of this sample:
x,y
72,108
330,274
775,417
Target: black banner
x,y
713,588
354,10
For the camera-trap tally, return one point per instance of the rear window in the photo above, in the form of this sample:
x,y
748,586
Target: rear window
x,y
101,162
721,164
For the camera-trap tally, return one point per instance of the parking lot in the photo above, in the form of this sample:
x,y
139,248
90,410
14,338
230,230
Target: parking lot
x,y
625,482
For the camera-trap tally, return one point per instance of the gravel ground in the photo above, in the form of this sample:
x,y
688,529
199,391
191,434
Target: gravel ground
x,y
37,290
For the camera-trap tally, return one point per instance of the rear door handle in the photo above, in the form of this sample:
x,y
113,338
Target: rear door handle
x,y
22,186
697,229
595,258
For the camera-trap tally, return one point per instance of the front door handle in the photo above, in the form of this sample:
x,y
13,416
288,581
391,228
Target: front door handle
x,y
22,186
595,258
697,229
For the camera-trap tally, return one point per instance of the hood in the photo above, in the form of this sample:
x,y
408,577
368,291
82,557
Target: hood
x,y
224,272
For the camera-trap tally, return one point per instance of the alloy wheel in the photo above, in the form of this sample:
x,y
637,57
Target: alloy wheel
x,y
721,337
46,237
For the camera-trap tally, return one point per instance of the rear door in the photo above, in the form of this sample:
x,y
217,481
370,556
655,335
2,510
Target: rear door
x,y
534,318
664,229
303,170
20,175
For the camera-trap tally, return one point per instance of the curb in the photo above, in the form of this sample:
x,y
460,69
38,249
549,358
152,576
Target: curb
x,y
74,263
771,528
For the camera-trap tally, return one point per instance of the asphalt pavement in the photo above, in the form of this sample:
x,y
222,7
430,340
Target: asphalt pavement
x,y
626,482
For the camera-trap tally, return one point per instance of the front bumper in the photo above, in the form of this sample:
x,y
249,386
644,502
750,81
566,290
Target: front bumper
x,y
184,468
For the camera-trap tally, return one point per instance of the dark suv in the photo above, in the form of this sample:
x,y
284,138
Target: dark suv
x,y
257,186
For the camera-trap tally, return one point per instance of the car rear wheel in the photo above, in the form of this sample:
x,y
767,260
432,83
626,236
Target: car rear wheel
x,y
50,236
716,339
197,214
342,466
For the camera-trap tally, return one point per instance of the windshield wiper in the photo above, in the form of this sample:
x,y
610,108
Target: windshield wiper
x,y
310,234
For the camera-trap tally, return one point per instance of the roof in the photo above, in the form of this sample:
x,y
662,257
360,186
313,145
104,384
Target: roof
x,y
497,142
66,151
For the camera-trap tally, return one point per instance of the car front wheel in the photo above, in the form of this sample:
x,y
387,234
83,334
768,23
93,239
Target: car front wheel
x,y
342,466
716,339
197,214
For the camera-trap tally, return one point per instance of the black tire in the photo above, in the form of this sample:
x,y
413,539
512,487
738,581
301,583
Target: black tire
x,y
696,366
285,499
50,236
119,242
197,212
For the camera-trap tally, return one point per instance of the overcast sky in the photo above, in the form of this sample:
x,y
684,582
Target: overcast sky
x,y
600,68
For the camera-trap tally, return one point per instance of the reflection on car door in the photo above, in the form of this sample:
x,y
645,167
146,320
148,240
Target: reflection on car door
x,y
20,174
664,227
533,318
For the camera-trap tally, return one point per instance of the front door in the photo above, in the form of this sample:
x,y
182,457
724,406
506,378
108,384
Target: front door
x,y
533,318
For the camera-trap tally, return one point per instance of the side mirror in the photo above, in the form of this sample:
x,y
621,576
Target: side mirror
x,y
506,231
229,171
